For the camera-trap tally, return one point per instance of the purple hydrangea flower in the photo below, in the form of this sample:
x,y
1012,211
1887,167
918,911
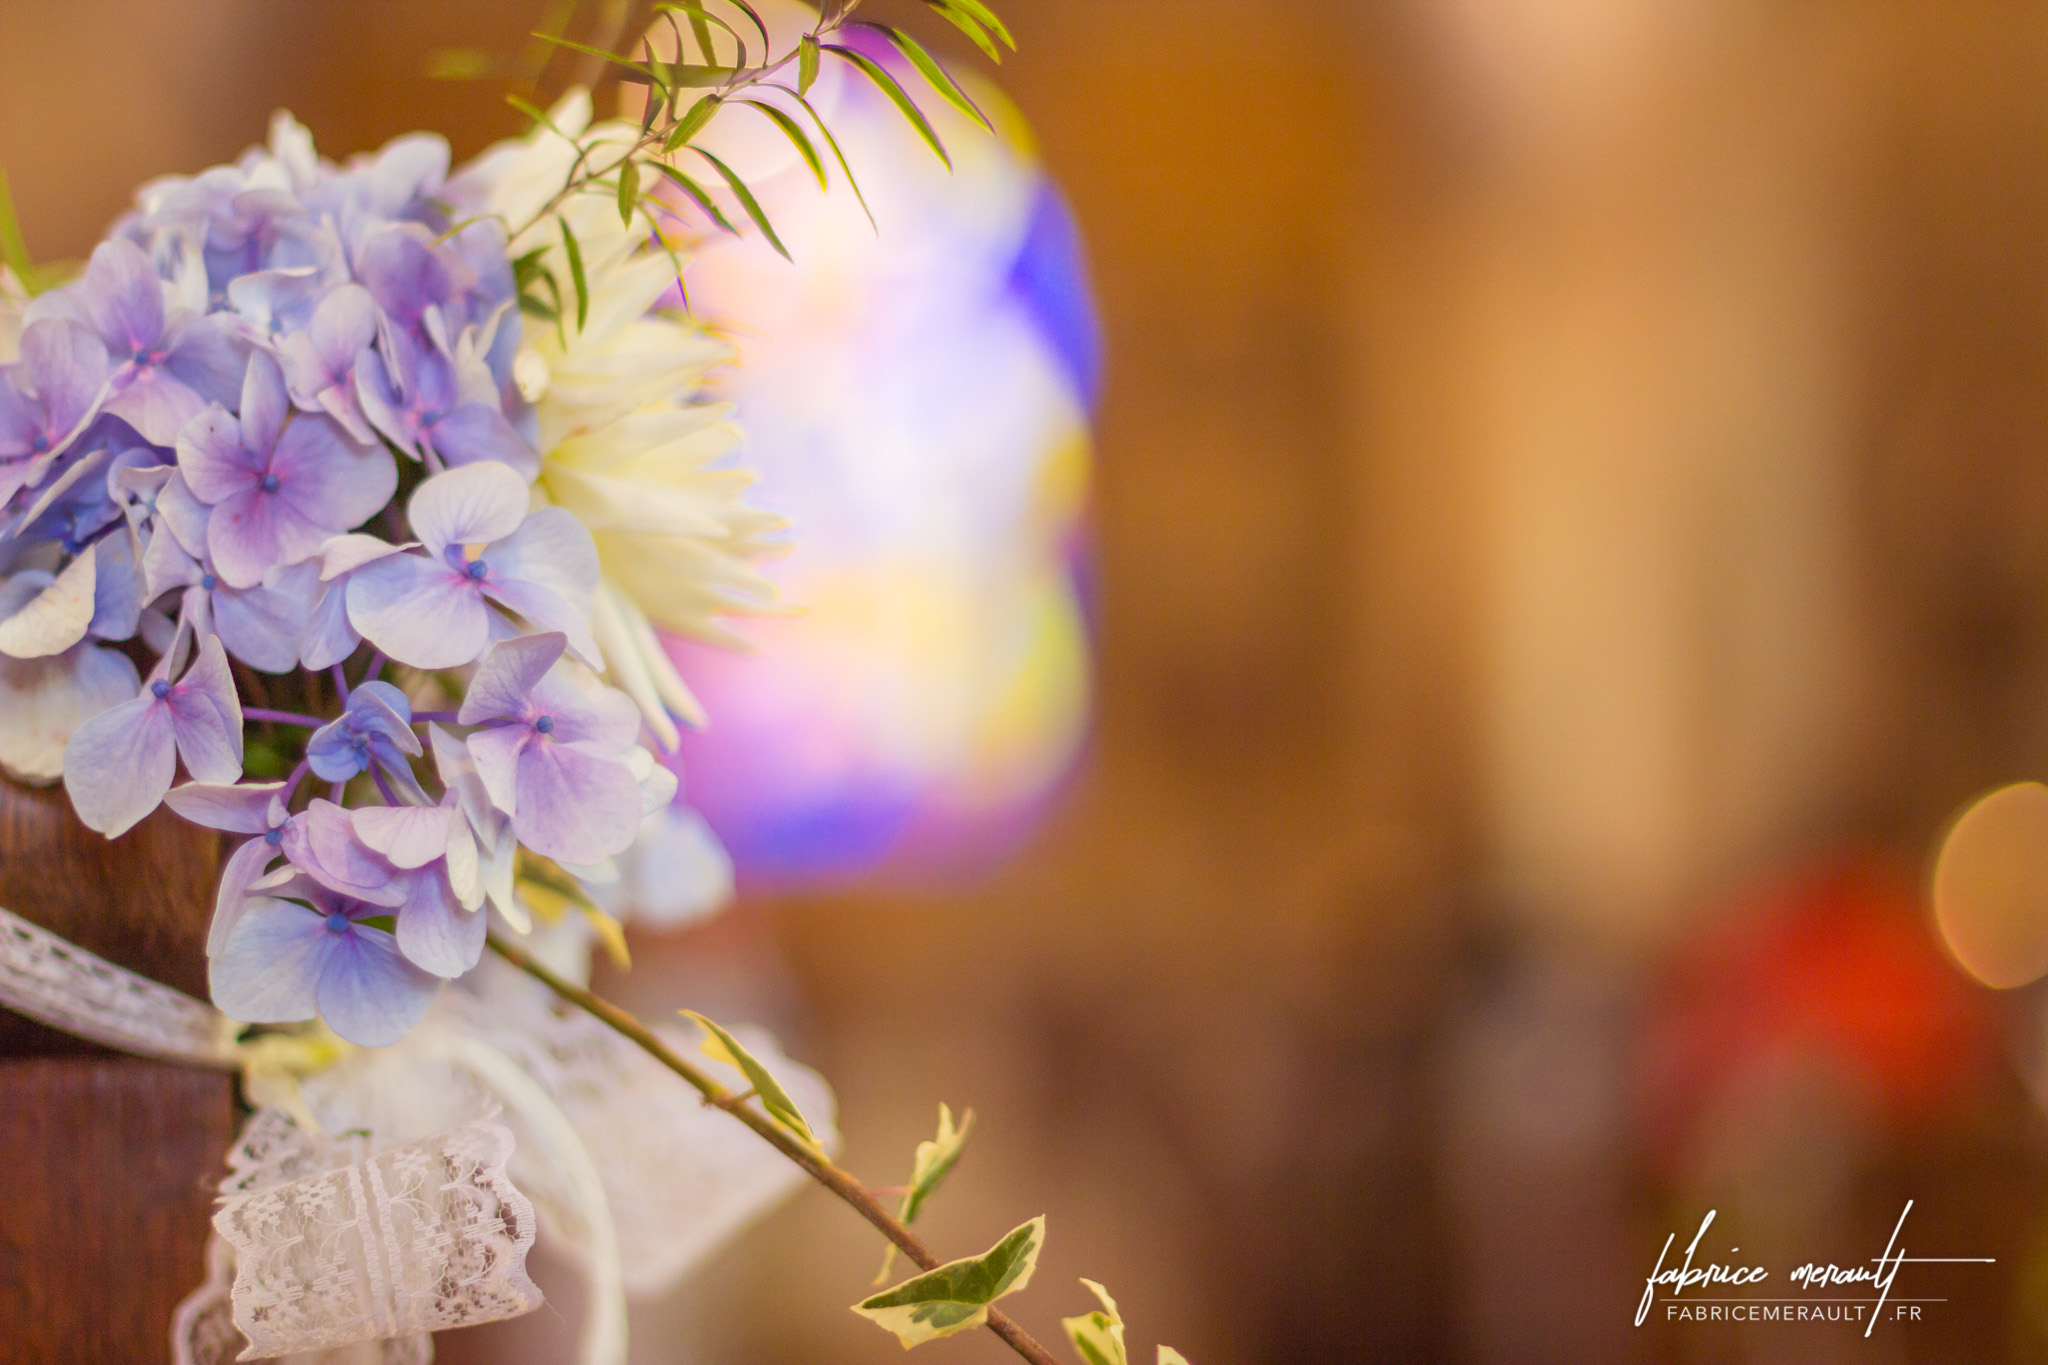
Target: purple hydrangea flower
x,y
167,369
320,360
429,610
307,950
255,808
552,753
119,764
374,727
418,395
47,399
278,489
408,274
321,841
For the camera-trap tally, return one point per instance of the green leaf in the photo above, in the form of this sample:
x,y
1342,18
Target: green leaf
x,y
837,155
575,253
747,201
796,135
967,25
721,1046
886,83
806,63
744,8
688,76
1098,1337
459,64
643,70
13,246
983,15
693,120
929,68
698,195
934,1160
700,20
1169,1356
957,1295
629,190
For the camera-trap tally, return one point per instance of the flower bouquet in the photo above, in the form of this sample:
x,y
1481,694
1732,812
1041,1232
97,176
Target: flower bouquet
x,y
343,511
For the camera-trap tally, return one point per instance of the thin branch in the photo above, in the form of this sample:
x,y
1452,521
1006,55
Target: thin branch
x,y
815,1163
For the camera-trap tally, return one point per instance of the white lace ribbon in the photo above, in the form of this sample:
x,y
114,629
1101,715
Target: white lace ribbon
x,y
60,984
412,1240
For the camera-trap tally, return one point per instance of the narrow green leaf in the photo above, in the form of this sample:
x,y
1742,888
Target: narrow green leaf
x,y
797,137
629,190
13,246
641,69
538,308
929,68
966,24
533,113
1098,1337
886,83
744,8
721,1046
832,142
986,17
935,1160
683,76
698,195
554,23
957,1295
806,63
575,253
747,201
700,21
693,120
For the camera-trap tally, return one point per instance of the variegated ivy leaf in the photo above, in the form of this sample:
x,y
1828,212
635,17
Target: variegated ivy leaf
x,y
721,1046
956,1296
930,1166
1169,1356
1098,1337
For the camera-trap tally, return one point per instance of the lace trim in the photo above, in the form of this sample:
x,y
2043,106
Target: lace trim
x,y
416,1239
66,987
203,1332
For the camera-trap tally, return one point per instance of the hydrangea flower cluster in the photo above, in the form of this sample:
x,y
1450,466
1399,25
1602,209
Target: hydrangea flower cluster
x,y
276,459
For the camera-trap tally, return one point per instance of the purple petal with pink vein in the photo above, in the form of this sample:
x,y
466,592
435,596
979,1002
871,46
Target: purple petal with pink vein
x,y
475,504
435,932
233,807
321,842
574,806
368,992
269,965
119,764
410,836
264,404
506,678
418,611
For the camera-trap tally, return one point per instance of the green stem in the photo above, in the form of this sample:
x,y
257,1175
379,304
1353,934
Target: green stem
x,y
814,1163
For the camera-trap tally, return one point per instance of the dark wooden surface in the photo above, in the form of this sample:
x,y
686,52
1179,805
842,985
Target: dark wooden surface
x,y
106,1173
107,1163
142,900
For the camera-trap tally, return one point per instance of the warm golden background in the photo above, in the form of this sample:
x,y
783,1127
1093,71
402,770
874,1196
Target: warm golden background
x,y
1565,469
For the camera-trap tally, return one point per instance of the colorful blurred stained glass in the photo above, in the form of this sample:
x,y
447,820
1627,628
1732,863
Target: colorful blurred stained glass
x,y
917,399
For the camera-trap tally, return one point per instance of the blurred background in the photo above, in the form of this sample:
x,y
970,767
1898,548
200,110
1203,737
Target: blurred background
x,y
1567,525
